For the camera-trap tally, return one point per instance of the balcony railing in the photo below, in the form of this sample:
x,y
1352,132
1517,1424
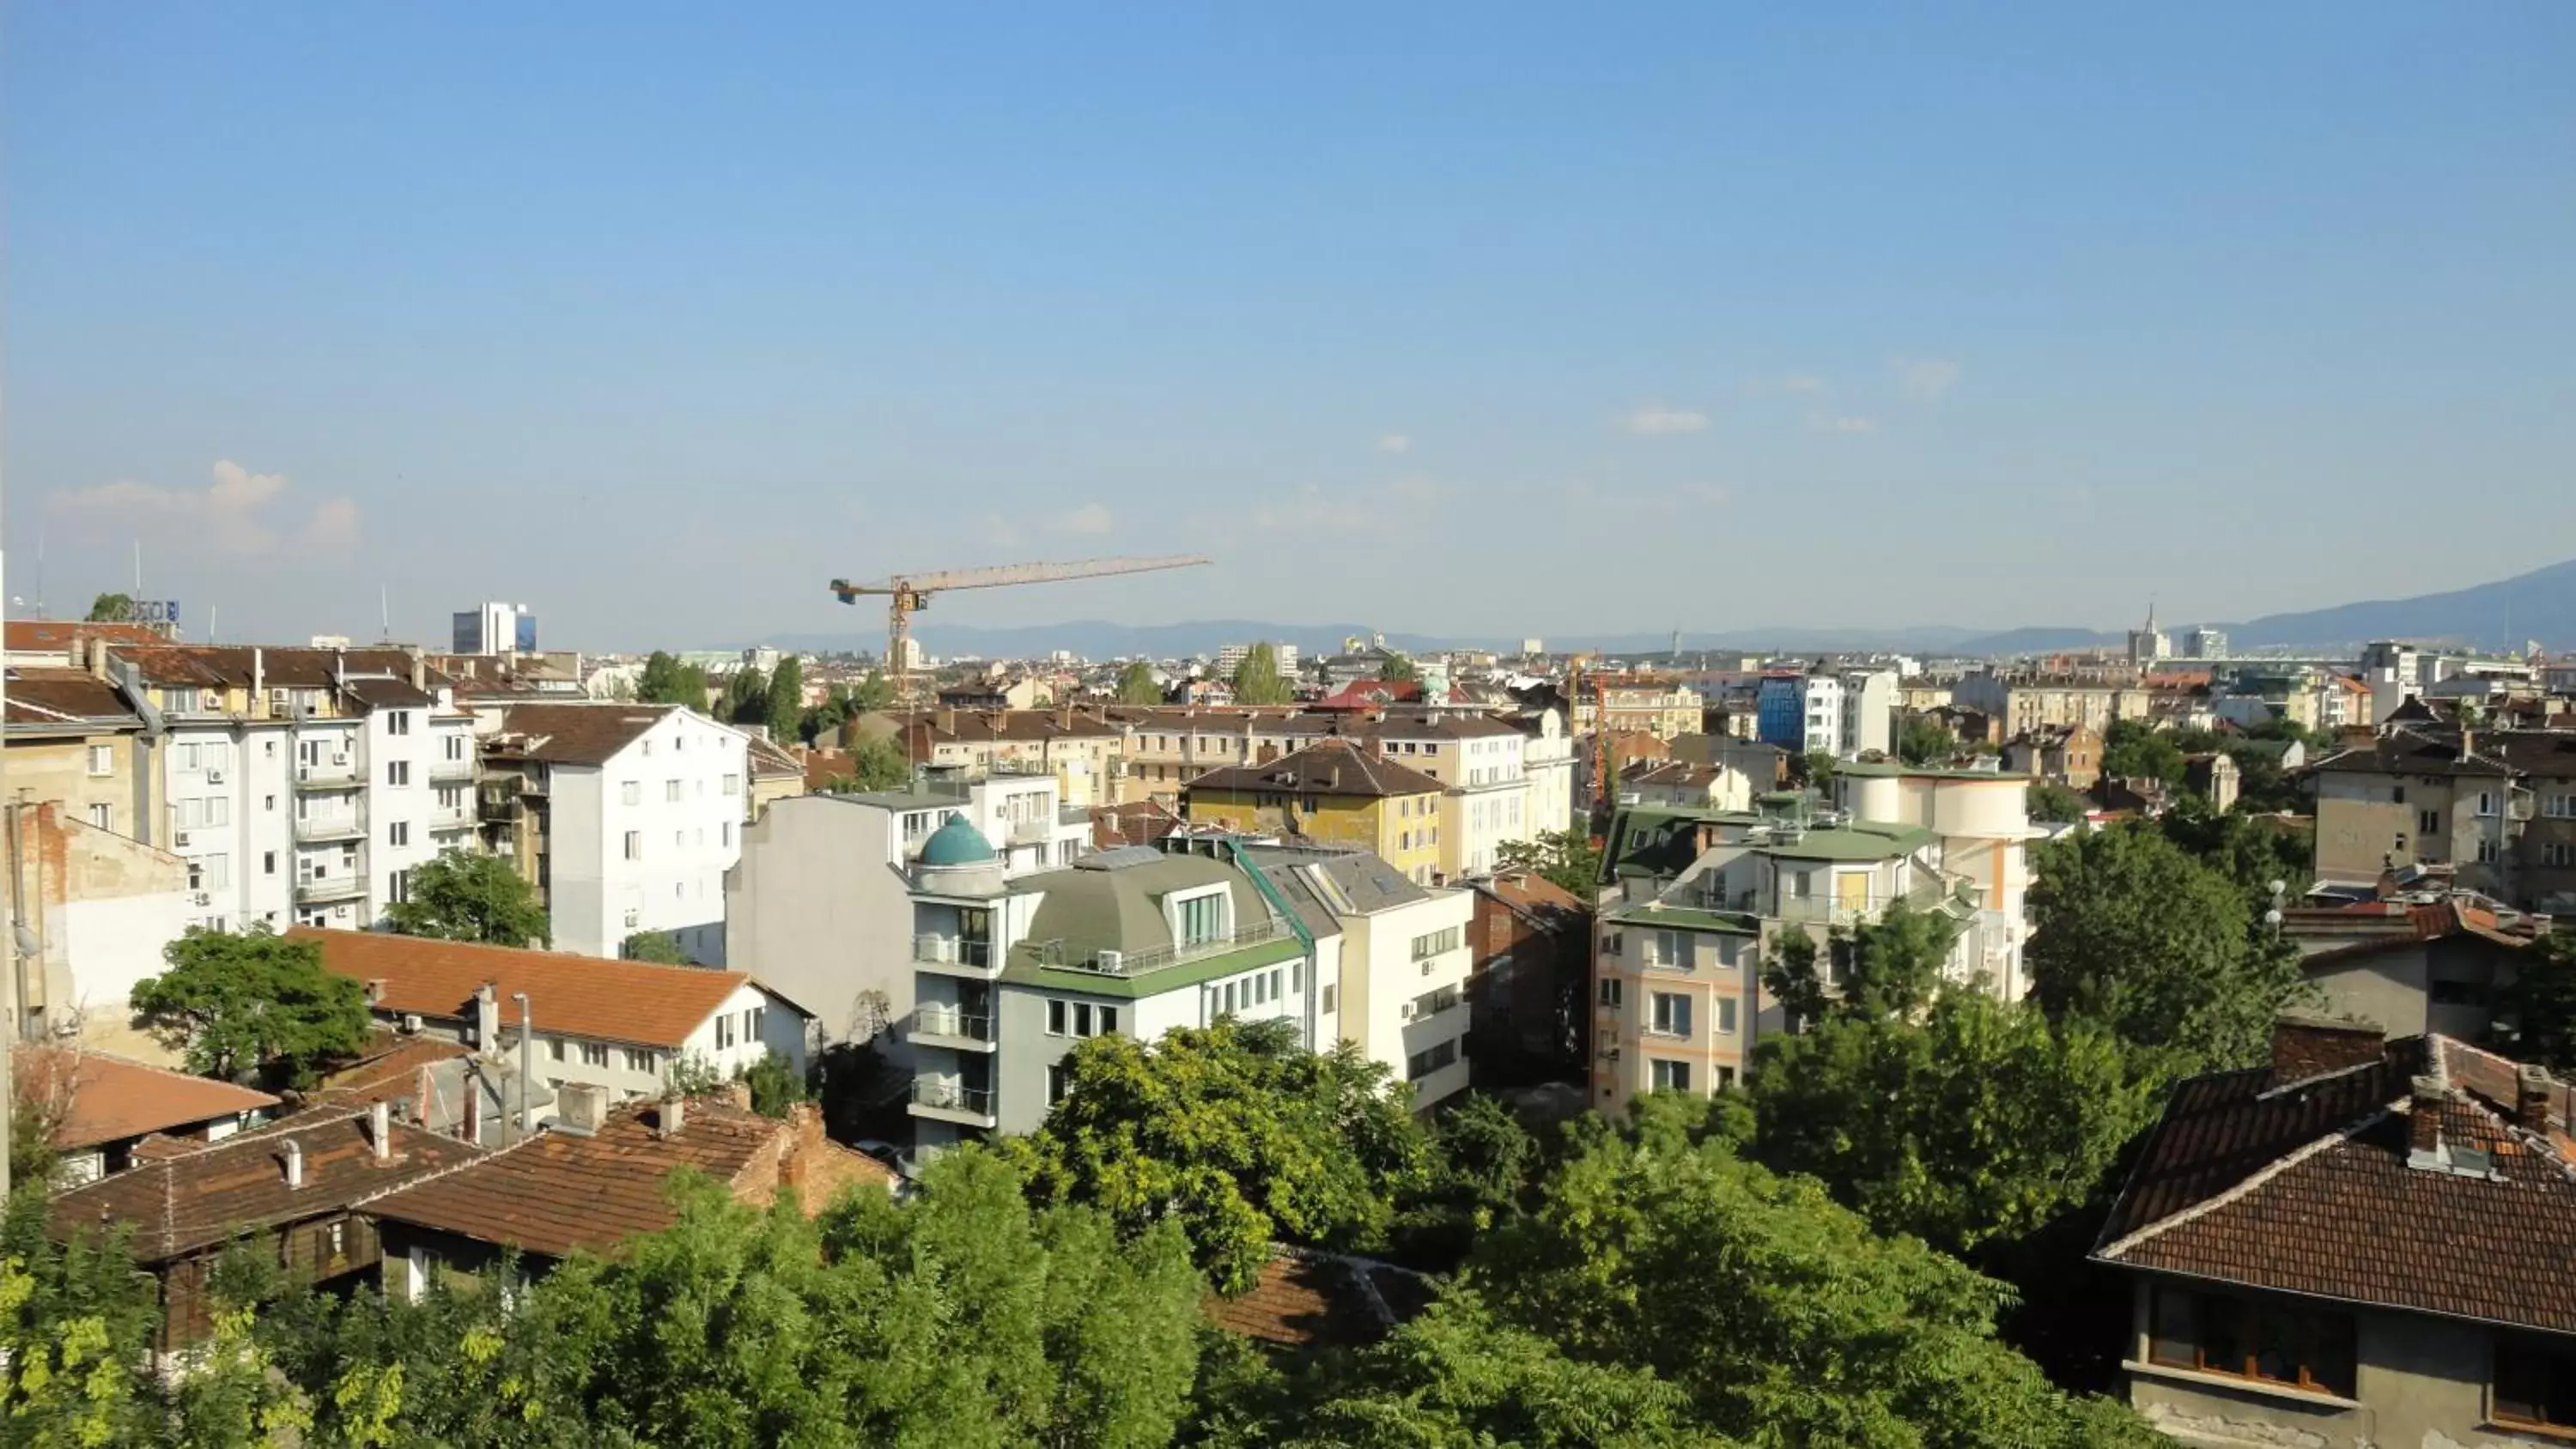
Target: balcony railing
x,y
1073,815
943,1095
458,818
951,1022
316,830
1843,912
332,888
328,777
1155,958
951,951
1032,832
451,771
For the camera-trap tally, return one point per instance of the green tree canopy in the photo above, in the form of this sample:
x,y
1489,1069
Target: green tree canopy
x,y
2251,853
775,1084
1257,680
236,1005
2055,804
786,699
1136,684
1979,1120
1398,667
665,680
873,694
746,697
2132,932
1236,1133
467,897
2134,750
112,609
659,947
2535,1017
1882,968
1924,740
876,763
1566,858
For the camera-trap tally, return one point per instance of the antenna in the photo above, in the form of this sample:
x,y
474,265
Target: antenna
x,y
138,568
385,612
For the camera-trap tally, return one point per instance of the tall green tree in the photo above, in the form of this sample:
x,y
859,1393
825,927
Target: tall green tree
x,y
2135,750
2535,1016
1889,967
786,699
2130,931
876,763
1565,858
1399,667
1136,684
2055,804
1257,679
467,897
1237,1134
665,680
252,1003
2252,853
746,697
824,720
874,693
1923,740
112,609
661,948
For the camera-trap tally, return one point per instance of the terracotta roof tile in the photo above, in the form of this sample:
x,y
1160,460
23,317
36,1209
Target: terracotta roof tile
x,y
570,733
108,1099
28,636
1326,767
1309,1300
67,696
588,996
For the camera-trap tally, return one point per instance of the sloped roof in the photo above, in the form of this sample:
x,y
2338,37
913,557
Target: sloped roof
x,y
585,996
1326,767
28,636
2403,752
1306,1300
202,1198
67,697
564,1191
1533,897
238,665
2306,1187
570,733
108,1099
770,761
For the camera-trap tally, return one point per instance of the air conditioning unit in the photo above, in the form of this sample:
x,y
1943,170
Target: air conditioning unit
x,y
180,840
1404,1012
339,757
203,898
1109,960
411,1021
214,777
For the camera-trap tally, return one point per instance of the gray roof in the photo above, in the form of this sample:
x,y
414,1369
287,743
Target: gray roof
x,y
1121,910
1361,877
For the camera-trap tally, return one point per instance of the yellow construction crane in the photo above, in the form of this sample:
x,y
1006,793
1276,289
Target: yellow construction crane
x,y
906,593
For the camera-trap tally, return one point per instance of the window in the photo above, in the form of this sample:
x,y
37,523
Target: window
x,y
1725,1078
2553,853
724,1031
1672,1013
1199,919
102,759
2428,822
268,862
398,833
726,837
630,792
594,1054
1726,1016
455,748
1669,1076
639,1060
2486,852
1082,1018
219,872
671,791
1610,986
398,772
398,722
401,886
1423,1063
188,757
2486,802
555,1047
1055,1083
1055,1018
2560,806
1663,948
98,816
2396,794
634,845
2535,1383
1229,998
1332,995
1426,947
2273,1342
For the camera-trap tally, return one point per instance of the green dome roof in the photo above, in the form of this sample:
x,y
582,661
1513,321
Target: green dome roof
x,y
957,843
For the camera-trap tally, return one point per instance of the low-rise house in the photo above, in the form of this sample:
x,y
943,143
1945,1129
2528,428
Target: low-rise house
x,y
2363,1242
96,1107
2411,966
1682,785
291,1188
600,1176
623,1025
2070,755
443,1086
1335,792
776,773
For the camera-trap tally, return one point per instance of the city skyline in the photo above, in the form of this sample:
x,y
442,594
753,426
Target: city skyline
x,y
1769,320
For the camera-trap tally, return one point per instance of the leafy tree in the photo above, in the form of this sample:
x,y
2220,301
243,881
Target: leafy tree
x,y
2535,1017
1257,679
661,948
112,609
1981,1120
1482,1163
876,763
1815,769
1399,667
1791,977
2128,930
1923,740
1566,858
825,720
2055,804
874,694
746,697
2250,852
1136,684
468,897
786,699
1889,967
775,1084
1779,1315
665,680
1237,1134
2133,750
253,1002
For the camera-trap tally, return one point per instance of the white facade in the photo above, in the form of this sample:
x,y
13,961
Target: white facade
x,y
1547,764
641,842
1402,997
1868,713
1820,697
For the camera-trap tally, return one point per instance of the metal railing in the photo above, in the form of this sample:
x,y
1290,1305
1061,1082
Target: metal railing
x,y
1155,958
948,1021
333,888
948,1096
347,825
1032,832
327,777
1841,912
951,951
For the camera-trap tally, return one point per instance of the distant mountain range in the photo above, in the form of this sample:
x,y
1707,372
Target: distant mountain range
x,y
2540,605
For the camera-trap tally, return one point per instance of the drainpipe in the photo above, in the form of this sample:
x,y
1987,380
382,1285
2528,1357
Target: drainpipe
x,y
527,1068
1231,848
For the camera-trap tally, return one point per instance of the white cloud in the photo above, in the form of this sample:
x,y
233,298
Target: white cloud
x,y
1802,382
1000,532
238,512
1089,518
1395,443
1828,423
1925,377
1655,419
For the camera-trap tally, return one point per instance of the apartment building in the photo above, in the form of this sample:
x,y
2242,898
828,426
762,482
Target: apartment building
x,y
1661,710
821,901
1981,822
1011,974
1080,749
2498,808
1485,795
1336,791
2069,755
625,818
1799,712
1547,765
1397,987
1868,723
1163,749
301,786
2018,702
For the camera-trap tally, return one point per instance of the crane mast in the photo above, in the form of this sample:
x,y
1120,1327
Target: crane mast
x,y
906,594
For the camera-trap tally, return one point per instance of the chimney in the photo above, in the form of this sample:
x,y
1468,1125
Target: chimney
x,y
419,670
580,1107
380,1131
2314,1046
2532,1089
487,1020
2424,1123
97,656
294,1152
423,1094
258,678
947,718
2468,740
675,1115
375,991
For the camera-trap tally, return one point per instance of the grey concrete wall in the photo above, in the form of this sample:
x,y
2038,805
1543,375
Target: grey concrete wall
x,y
816,912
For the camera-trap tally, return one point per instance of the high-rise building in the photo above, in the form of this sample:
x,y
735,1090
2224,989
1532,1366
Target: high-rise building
x,y
2205,643
2149,644
496,629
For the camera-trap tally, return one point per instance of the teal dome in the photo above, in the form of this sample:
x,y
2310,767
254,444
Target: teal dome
x,y
957,843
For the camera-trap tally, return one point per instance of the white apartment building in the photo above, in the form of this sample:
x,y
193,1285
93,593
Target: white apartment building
x,y
1396,983
1481,763
1547,764
303,786
1982,821
1868,713
625,817
1231,657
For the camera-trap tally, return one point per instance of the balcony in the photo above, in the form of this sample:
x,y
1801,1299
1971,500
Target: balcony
x,y
946,1101
950,1027
458,818
330,889
950,956
335,775
451,772
322,830
1137,963
1841,912
1032,832
1073,815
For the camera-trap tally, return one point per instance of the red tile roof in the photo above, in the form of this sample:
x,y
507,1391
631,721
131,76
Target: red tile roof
x,y
564,1191
587,996
28,636
576,734
103,1099
2307,1188
1305,1299
1326,767
64,697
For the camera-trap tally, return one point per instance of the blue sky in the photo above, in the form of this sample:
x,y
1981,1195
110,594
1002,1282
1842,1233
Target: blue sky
x,y
1454,319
